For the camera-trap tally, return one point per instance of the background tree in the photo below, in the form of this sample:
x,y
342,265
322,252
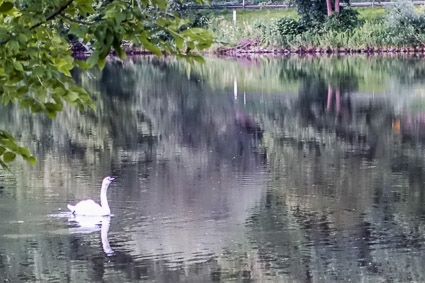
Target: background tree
x,y
36,59
311,12
314,13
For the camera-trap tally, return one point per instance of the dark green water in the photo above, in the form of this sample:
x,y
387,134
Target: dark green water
x,y
255,170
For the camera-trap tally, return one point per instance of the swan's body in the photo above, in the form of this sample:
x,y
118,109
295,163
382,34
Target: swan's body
x,y
90,207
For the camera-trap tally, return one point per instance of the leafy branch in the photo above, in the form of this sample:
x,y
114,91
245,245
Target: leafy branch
x,y
76,21
9,149
56,12
36,59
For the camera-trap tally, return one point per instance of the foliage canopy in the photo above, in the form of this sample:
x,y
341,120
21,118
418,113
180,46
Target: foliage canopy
x,y
36,58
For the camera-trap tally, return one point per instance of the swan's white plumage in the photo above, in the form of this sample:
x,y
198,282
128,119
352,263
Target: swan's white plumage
x,y
90,207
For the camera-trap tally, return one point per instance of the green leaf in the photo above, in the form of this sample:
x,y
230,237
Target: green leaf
x,y
18,66
78,30
30,159
6,7
119,17
71,96
92,60
179,42
2,150
27,102
24,152
101,63
22,39
120,52
53,106
14,45
59,91
35,108
197,58
160,3
82,64
85,8
64,69
150,46
6,135
38,70
9,157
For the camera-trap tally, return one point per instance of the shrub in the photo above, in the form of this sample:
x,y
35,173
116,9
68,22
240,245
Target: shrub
x,y
200,20
404,23
403,15
370,34
269,32
346,19
312,12
288,26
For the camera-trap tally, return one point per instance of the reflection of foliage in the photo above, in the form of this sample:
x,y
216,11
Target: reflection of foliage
x,y
329,211
117,81
369,73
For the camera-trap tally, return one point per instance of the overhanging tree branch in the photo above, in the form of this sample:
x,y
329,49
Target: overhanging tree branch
x,y
56,12
76,21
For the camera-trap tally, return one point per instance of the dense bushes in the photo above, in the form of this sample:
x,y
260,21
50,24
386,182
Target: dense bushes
x,y
312,13
405,24
290,33
289,26
347,19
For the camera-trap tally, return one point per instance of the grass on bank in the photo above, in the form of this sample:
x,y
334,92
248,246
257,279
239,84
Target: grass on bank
x,y
379,28
252,16
266,15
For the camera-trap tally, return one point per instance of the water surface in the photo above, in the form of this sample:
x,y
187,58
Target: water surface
x,y
256,169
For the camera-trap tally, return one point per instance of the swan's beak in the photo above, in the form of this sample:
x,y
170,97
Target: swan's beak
x,y
111,179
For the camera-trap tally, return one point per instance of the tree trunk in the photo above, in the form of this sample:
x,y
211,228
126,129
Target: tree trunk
x,y
329,6
336,6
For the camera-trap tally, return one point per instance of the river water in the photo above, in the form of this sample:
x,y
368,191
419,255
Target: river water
x,y
261,169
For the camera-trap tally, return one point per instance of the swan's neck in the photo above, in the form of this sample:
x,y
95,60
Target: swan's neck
x,y
104,199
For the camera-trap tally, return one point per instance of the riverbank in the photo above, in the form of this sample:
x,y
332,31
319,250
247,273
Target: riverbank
x,y
248,47
373,31
396,29
253,46
290,6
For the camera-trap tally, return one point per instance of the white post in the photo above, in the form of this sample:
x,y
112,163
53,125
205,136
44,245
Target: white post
x,y
235,89
234,17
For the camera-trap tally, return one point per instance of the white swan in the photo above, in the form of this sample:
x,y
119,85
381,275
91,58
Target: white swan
x,y
90,207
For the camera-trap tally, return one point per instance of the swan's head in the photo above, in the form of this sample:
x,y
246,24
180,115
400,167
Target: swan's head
x,y
107,181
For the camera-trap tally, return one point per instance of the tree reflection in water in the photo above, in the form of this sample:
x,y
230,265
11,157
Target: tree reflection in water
x,y
313,173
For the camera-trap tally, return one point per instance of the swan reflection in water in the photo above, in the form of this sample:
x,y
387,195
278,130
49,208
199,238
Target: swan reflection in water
x,y
89,224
